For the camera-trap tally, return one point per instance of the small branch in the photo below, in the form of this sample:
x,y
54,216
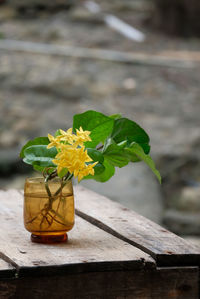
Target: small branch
x,y
45,212
100,147
47,186
62,185
58,205
56,219
33,219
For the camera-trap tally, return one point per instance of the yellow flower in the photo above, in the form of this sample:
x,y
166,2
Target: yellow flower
x,y
89,169
74,159
53,141
67,136
82,136
72,153
68,132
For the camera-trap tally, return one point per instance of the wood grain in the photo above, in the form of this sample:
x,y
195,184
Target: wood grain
x,y
88,249
94,263
168,283
165,247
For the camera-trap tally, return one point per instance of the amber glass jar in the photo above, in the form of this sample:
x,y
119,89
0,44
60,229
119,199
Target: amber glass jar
x,y
48,209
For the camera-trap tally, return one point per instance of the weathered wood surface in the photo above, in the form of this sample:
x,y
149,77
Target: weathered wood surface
x,y
165,283
94,263
88,249
165,247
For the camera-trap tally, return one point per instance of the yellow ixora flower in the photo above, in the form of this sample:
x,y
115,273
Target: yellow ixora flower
x,y
54,141
82,136
67,136
72,153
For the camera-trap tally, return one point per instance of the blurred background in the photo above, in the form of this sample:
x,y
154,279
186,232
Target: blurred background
x,y
140,58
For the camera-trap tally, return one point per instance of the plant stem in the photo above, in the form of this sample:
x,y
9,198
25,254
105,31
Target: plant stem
x,y
47,186
45,212
100,147
62,186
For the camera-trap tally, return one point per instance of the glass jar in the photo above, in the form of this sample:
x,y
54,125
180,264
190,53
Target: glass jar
x,y
48,209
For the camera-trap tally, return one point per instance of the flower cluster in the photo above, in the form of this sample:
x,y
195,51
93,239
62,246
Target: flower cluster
x,y
72,154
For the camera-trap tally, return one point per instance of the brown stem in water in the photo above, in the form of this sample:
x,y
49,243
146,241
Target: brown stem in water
x,y
45,212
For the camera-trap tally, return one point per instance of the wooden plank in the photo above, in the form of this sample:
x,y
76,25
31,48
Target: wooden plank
x,y
176,283
98,54
105,266
165,247
6,270
8,288
88,249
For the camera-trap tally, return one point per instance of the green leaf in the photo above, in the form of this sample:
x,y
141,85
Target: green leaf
x,y
40,155
137,150
42,168
63,172
98,168
132,157
38,168
99,124
125,129
36,141
115,153
57,133
105,175
95,155
115,116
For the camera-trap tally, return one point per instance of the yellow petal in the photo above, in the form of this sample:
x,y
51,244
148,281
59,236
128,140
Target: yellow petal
x,y
51,138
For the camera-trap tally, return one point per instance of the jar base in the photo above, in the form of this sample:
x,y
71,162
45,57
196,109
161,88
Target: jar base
x,y
49,239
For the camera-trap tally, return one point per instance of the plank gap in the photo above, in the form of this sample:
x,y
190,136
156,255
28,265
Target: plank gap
x,y
111,231
8,260
161,260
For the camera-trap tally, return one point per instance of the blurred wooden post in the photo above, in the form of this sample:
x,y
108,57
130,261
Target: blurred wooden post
x,y
177,17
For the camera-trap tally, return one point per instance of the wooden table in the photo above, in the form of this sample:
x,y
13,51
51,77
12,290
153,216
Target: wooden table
x,y
112,252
